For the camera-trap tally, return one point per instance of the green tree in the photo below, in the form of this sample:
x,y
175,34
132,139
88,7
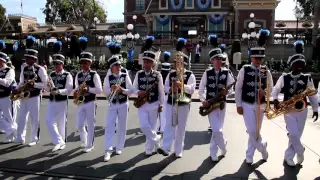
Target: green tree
x,y
308,8
2,15
74,12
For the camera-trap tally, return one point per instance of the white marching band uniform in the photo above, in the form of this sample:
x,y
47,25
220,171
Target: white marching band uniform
x,y
31,106
7,122
148,113
177,112
117,110
57,110
246,95
177,132
86,111
219,79
293,84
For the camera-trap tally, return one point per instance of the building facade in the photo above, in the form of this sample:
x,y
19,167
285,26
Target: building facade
x,y
228,17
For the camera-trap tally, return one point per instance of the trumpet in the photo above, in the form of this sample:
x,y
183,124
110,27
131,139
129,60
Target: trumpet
x,y
114,92
24,91
79,94
295,104
179,98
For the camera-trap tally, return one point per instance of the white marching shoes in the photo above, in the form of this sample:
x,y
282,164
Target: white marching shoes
x,y
59,147
224,151
88,149
107,156
300,158
83,144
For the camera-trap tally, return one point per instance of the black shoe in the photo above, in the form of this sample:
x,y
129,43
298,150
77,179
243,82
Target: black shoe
x,y
161,151
209,129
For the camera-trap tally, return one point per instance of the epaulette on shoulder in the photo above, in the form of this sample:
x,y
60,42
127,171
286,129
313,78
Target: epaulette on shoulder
x,y
246,65
140,71
284,74
188,71
306,74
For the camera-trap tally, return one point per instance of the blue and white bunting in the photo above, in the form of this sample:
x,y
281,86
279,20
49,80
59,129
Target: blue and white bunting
x,y
203,5
217,18
163,19
176,7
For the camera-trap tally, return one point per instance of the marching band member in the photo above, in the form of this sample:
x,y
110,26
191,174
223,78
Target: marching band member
x,y
7,77
114,49
177,111
215,81
15,104
248,90
225,59
148,83
165,69
31,105
117,87
86,111
60,85
292,84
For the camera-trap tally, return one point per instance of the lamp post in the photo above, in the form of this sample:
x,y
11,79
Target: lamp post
x,y
20,32
134,17
251,35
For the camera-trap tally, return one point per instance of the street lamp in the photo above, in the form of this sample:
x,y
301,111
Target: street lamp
x,y
134,17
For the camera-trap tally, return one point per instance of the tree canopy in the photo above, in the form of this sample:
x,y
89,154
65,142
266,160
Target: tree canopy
x,y
73,11
2,15
307,8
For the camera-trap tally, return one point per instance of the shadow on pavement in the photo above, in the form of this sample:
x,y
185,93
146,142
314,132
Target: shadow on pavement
x,y
85,168
98,131
203,169
290,173
14,147
194,138
244,171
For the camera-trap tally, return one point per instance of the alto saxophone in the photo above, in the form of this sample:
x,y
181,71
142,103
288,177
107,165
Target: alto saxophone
x,y
295,104
24,91
142,100
214,103
79,94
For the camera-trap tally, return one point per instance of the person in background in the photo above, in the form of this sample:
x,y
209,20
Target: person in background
x,y
198,53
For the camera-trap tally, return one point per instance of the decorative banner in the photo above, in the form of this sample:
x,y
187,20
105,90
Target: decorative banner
x,y
176,5
217,18
163,19
203,5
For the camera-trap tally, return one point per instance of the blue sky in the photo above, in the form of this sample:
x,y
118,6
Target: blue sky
x,y
115,8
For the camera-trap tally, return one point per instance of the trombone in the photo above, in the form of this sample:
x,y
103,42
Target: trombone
x,y
176,98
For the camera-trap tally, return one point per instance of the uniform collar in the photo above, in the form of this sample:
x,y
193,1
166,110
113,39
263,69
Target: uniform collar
x,y
295,76
254,66
61,72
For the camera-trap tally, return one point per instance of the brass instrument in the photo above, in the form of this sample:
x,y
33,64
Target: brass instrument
x,y
51,86
24,91
113,92
295,104
182,98
142,100
214,103
79,94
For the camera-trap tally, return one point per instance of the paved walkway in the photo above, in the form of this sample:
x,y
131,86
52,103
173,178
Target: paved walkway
x,y
21,162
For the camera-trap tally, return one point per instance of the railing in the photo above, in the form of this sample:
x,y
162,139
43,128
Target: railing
x,y
22,15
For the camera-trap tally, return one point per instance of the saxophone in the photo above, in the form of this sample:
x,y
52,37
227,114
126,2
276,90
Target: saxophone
x,y
79,94
295,104
214,103
142,100
24,91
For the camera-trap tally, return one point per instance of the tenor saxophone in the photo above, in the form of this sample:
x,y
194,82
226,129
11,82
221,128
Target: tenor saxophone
x,y
295,104
23,92
79,94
